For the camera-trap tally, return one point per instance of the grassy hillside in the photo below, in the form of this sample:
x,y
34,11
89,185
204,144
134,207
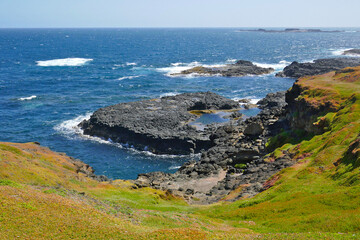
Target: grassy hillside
x,y
42,196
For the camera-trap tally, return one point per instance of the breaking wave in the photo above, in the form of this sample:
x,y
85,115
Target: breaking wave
x,y
340,52
277,66
27,98
65,62
128,77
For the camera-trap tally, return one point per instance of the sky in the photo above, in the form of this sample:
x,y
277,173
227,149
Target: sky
x,y
180,13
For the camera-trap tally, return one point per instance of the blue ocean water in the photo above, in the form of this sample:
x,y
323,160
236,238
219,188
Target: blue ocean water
x,y
42,98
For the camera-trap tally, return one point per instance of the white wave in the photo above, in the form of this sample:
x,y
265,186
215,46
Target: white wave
x,y
251,100
70,129
176,68
174,167
27,98
277,66
169,94
131,64
65,62
340,52
128,77
231,60
254,100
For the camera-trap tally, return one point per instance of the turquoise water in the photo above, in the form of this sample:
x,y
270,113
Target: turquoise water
x,y
42,98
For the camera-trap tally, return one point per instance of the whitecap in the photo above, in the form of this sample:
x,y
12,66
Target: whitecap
x,y
277,66
128,77
131,64
65,62
27,98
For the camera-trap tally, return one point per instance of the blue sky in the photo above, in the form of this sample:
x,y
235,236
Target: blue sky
x,y
181,13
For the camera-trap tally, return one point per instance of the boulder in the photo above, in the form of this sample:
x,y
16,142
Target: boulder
x,y
254,129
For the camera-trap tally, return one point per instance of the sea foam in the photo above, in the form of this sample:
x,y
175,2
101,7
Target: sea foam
x,y
129,77
169,94
277,66
340,52
27,98
251,100
65,62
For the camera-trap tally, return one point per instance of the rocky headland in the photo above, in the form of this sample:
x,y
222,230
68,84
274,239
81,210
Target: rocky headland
x,y
238,69
161,126
320,66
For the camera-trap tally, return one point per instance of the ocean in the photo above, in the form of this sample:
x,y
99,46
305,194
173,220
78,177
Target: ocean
x,y
51,79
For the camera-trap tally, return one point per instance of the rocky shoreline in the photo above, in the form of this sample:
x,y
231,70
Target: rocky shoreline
x,y
234,160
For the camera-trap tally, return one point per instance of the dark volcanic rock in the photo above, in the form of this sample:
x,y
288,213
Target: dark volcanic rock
x,y
240,68
157,125
216,174
320,66
352,52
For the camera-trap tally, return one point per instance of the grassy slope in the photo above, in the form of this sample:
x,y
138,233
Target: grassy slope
x,y
42,197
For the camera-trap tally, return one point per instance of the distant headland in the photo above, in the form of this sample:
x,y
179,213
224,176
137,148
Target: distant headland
x,y
291,30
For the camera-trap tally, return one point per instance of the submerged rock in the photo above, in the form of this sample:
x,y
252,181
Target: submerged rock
x,y
158,125
239,69
320,66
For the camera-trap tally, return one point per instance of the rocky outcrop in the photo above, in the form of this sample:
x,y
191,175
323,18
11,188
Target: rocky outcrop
x,y
320,66
352,52
236,159
239,69
158,125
